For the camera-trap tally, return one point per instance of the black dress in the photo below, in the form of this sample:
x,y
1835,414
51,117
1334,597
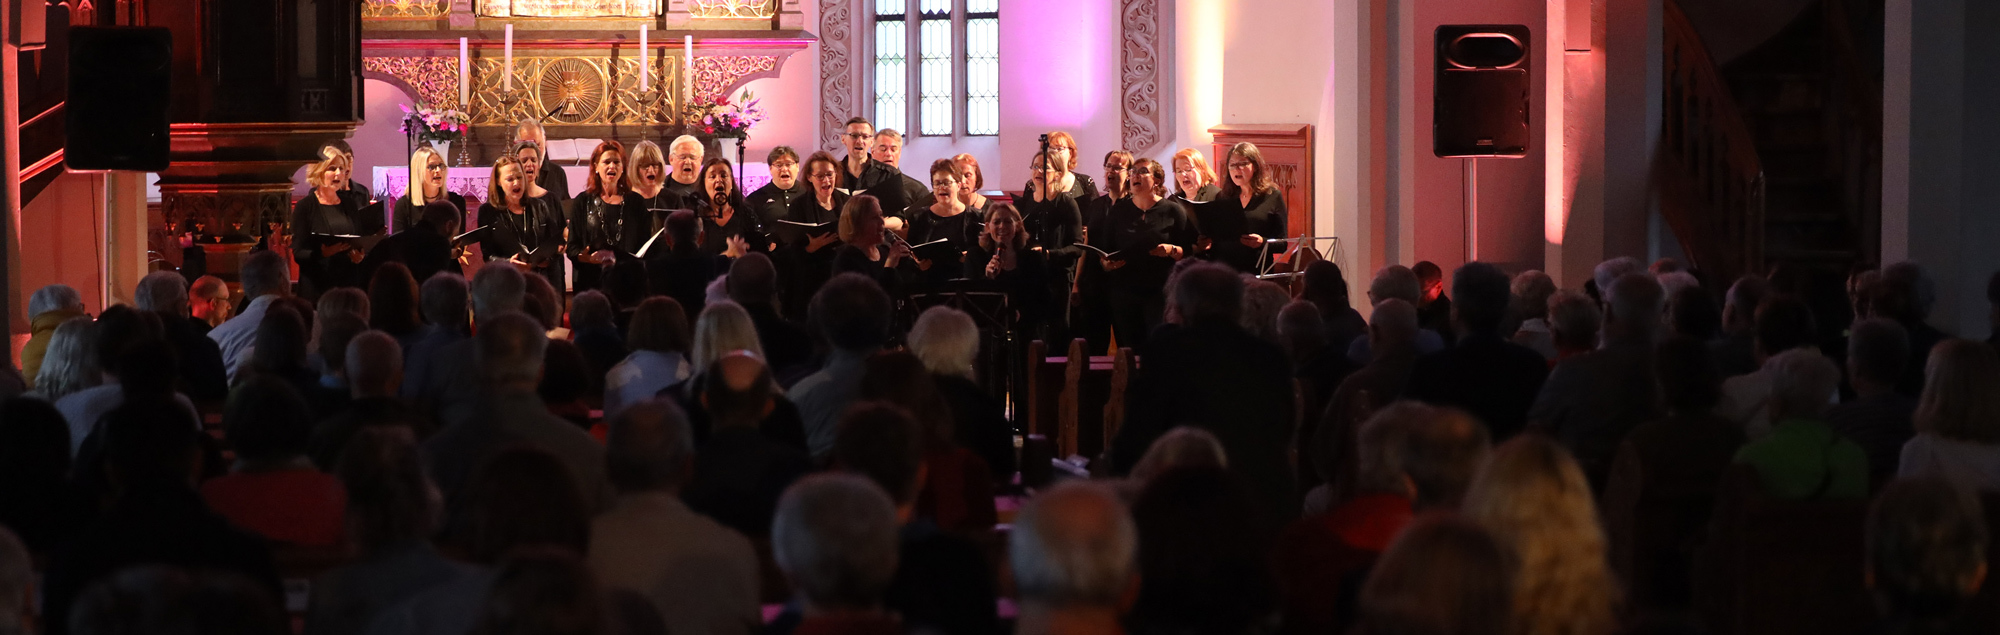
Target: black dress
x,y
801,273
1264,216
552,178
407,214
1055,226
647,215
1136,290
960,232
1082,189
742,223
894,280
1092,319
537,229
313,226
596,225
1202,194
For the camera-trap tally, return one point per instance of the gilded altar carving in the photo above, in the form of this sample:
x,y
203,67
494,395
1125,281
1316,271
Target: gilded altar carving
x,y
569,8
716,75
706,9
837,93
433,79
574,91
1144,113
395,9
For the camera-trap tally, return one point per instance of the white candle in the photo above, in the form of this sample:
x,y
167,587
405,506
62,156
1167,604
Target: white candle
x,y
643,55
687,61
507,74
464,74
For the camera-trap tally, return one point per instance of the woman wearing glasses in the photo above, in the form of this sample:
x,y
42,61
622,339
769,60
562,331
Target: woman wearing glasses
x,y
427,173
1249,195
1193,179
1054,224
647,201
774,201
1146,233
948,219
1092,320
808,237
1062,147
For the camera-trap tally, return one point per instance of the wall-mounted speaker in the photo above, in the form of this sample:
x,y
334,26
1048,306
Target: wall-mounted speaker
x,y
1481,92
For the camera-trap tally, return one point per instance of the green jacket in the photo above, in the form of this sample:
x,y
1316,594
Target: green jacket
x,y
1805,460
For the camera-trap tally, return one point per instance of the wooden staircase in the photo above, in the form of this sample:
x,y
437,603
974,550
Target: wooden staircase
x,y
1711,180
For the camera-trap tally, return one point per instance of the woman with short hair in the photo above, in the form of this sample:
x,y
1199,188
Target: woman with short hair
x,y
322,226
1194,180
944,218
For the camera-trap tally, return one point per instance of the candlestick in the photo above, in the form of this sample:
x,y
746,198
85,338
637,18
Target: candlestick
x,y
507,75
464,75
687,61
644,68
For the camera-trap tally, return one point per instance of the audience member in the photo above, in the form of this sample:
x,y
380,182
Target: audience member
x,y
740,472
1927,542
1906,294
1735,353
1958,418
1185,446
1443,576
266,277
1326,288
565,383
1663,481
700,575
682,270
347,300
834,537
1530,292
424,249
596,335
1784,323
1074,551
70,361
958,489
273,490
1574,323
658,340
1591,401
336,331
1534,499
1482,372
1317,370
393,304
1396,282
1374,386
1433,306
209,296
445,299
447,388
1203,555
545,304
49,307
509,357
283,350
722,327
1878,418
753,283
155,516
1212,374
852,314
120,330
374,366
392,511
1803,458
1262,300
942,581
947,341
1691,313
35,496
165,599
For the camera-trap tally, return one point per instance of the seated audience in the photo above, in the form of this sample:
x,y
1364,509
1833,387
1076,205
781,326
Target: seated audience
x,y
1212,374
947,341
35,496
1784,323
700,575
1927,542
596,334
373,364
852,315
834,537
394,306
210,298
753,282
120,330
446,388
566,383
725,329
1878,418
1433,306
283,350
1574,322
958,488
942,581
17,582
155,515
1074,551
658,340
1592,400
1443,576
267,278
1528,308
1735,353
739,472
70,362
1185,446
1691,311
392,511
1203,554
1481,372
336,331
445,301
1396,282
1533,497
1317,369
1326,287
1906,294
1262,300
722,327
169,599
1332,452
1803,458
273,489
49,307
202,376
1958,418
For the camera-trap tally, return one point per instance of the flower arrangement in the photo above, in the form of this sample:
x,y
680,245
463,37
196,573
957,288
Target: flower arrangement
x,y
723,117
434,124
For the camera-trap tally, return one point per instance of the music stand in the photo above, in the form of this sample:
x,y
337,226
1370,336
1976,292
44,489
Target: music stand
x,y
992,312
1310,242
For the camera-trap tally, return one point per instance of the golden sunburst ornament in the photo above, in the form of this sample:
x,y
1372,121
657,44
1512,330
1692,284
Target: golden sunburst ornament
x,y
573,88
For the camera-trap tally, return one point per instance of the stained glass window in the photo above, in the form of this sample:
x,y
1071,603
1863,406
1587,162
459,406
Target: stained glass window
x,y
937,66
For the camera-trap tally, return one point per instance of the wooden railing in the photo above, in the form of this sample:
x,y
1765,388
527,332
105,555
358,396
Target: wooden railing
x,y
1711,181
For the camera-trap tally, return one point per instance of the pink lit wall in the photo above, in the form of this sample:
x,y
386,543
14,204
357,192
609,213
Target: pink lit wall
x,y
1059,71
67,222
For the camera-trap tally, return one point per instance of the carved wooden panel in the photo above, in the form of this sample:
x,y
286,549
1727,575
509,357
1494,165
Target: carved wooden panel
x,y
1145,113
1288,151
839,90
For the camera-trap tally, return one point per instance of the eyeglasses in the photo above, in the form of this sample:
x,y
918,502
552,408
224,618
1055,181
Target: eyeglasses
x,y
785,164
1117,168
859,135
687,157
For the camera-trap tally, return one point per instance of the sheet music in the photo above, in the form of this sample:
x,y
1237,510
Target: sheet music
x,y
643,249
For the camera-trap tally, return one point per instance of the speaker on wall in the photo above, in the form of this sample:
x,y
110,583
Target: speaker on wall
x,y
116,117
1481,91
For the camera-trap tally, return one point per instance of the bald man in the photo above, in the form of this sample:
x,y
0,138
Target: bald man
x,y
741,469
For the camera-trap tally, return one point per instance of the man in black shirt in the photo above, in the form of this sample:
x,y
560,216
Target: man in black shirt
x,y
1433,307
888,150
862,174
684,158
774,200
550,176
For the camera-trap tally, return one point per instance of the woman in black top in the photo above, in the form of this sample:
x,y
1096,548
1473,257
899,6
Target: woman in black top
x,y
325,260
427,172
805,254
1092,316
1145,233
970,180
1002,257
1054,223
1250,195
728,226
521,230
946,218
867,250
773,201
529,157
1194,180
597,217
649,201
1067,179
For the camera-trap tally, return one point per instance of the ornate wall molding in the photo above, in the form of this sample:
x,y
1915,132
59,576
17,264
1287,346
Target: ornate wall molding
x,y
720,75
839,91
401,9
1146,112
569,8
710,9
434,80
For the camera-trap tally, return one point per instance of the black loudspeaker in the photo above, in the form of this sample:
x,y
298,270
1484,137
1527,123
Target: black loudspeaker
x,y
1481,91
119,83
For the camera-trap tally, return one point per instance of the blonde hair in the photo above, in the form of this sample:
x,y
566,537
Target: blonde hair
x,y
496,194
861,203
420,161
1200,164
644,153
1959,401
1534,499
723,327
329,159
